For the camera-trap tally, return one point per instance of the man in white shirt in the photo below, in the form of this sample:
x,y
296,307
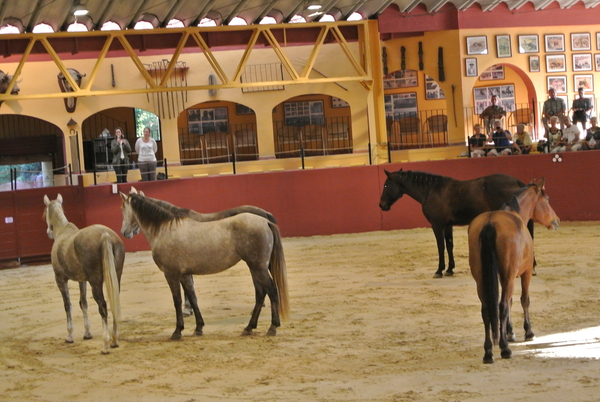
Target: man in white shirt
x,y
570,138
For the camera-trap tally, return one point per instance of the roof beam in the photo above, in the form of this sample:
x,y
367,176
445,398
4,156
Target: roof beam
x,y
138,14
381,9
493,5
543,5
353,9
411,6
468,4
35,15
169,16
265,11
438,5
235,11
518,5
108,7
570,4
207,7
295,11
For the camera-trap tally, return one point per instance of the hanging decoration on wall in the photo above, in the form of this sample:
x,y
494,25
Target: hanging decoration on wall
x,y
173,102
5,79
402,58
70,103
421,66
441,64
384,60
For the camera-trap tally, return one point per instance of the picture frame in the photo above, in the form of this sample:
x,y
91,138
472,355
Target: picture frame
x,y
243,109
432,89
338,102
585,81
471,67
556,63
558,82
582,62
495,72
477,45
554,43
581,41
528,44
401,79
503,48
597,40
597,61
505,96
534,64
400,105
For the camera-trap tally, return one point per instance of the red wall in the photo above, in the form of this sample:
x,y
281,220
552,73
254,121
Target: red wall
x,y
323,201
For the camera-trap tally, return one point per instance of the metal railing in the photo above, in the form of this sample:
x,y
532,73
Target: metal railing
x,y
425,128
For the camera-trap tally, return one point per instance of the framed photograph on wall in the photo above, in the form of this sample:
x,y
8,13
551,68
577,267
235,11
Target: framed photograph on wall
x,y
495,72
338,102
597,61
581,41
534,64
432,89
582,62
554,42
556,63
529,44
400,105
471,67
505,94
401,79
597,40
585,81
558,82
477,45
503,46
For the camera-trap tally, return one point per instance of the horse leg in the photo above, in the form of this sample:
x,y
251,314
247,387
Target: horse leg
x,y
530,228
187,282
84,308
103,310
174,284
63,286
263,284
449,237
505,351
488,356
510,335
525,279
438,231
187,306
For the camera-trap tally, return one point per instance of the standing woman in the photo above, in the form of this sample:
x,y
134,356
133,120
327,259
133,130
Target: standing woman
x,y
120,149
146,149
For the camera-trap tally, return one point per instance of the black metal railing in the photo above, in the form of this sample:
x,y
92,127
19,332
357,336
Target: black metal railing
x,y
425,128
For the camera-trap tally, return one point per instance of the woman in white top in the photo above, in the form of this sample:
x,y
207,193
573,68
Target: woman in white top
x,y
146,149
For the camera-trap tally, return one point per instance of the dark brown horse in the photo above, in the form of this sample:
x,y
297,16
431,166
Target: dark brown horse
x,y
448,202
500,247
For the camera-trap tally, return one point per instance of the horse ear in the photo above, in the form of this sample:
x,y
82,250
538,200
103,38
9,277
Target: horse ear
x,y
542,183
59,198
388,174
532,181
142,193
46,200
133,190
124,197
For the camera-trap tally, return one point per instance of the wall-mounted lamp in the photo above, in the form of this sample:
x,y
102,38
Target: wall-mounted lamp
x,y
72,123
314,5
80,10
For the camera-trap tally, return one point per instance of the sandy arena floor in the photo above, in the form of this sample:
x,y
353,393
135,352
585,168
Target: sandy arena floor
x,y
369,323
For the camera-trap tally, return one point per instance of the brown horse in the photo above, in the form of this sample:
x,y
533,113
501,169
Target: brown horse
x,y
182,247
94,254
501,247
448,202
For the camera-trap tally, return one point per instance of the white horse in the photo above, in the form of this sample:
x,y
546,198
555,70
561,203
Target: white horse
x,y
182,247
94,254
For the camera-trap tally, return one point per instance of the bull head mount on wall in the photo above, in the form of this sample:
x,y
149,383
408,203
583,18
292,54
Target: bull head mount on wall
x,y
4,81
70,103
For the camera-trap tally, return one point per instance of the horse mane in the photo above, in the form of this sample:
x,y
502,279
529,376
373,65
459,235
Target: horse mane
x,y
179,212
513,203
154,216
424,178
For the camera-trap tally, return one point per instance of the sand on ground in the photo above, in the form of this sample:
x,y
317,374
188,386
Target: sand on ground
x,y
368,323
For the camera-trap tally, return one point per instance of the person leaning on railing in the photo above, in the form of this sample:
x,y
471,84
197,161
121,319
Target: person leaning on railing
x,y
592,140
522,140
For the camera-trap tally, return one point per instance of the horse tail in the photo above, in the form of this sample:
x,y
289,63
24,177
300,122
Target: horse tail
x,y
111,279
278,271
489,273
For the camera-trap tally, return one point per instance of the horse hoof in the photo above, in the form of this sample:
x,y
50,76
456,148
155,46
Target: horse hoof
x,y
438,275
529,337
86,337
188,313
198,333
449,273
511,337
246,332
175,337
488,359
272,331
116,345
105,352
506,354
